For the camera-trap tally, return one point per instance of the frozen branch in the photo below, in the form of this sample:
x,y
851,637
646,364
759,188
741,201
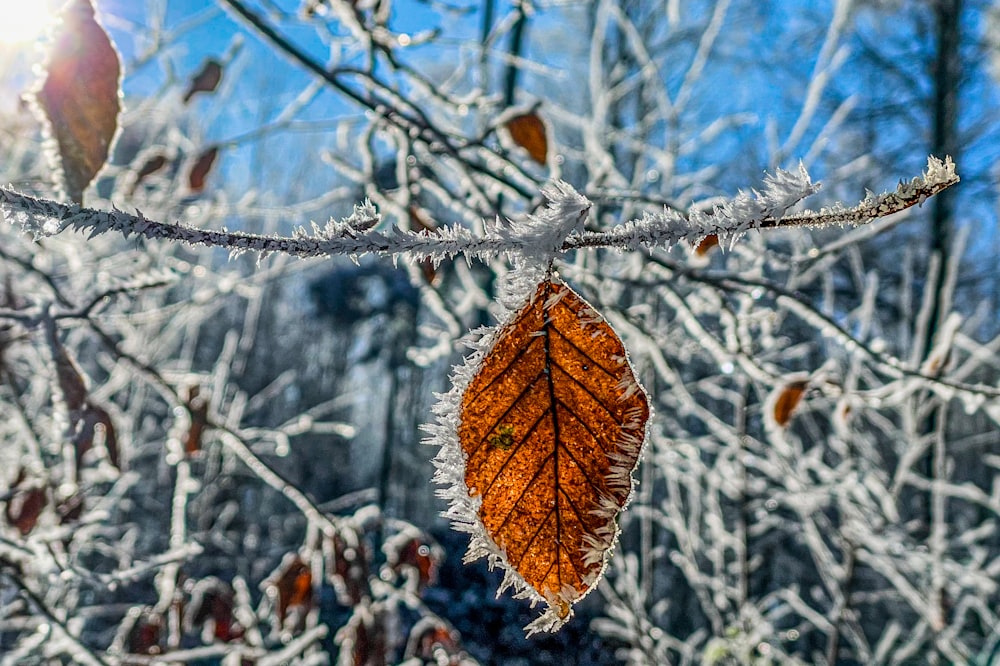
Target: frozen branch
x,y
356,236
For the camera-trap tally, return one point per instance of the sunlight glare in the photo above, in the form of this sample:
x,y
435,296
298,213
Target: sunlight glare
x,y
23,21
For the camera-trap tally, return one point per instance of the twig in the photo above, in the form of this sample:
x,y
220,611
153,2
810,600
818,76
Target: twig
x,y
886,362
82,654
354,236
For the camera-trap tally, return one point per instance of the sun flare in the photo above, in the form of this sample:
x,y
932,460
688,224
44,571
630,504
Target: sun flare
x,y
24,21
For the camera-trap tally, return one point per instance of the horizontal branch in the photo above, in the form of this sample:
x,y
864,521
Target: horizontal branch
x,y
356,235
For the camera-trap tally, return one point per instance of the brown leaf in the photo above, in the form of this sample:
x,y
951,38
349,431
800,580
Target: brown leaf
x,y
551,426
152,164
706,244
145,635
431,640
528,131
26,501
422,222
363,640
206,80
197,407
212,607
292,587
201,168
413,556
80,98
787,400
348,565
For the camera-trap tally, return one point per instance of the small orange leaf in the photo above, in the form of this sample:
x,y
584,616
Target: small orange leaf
x,y
421,221
201,168
788,400
80,97
197,407
706,244
528,131
551,427
292,587
206,80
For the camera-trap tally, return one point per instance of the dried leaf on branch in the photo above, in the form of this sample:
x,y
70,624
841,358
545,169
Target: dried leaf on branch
x,y
785,400
25,501
550,429
528,131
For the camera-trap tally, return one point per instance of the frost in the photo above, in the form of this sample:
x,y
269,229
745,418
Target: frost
x,y
535,238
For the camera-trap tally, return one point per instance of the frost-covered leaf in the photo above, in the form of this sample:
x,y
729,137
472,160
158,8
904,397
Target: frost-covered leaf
x,y
706,244
80,98
551,427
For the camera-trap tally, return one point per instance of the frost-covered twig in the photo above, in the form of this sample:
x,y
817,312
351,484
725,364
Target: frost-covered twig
x,y
355,235
62,634
151,281
266,473
888,363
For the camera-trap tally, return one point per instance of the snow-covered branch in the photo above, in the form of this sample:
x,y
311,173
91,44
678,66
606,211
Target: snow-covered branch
x,y
356,235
